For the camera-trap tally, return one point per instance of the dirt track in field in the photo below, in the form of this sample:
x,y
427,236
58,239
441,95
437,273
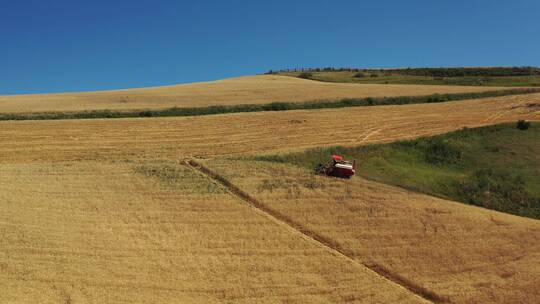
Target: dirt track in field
x,y
245,133
243,90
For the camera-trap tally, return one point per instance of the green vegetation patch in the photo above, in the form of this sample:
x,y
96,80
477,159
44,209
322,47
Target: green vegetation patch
x,y
178,177
434,72
495,76
274,106
496,167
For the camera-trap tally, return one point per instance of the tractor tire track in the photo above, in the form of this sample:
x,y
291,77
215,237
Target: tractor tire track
x,y
328,244
501,112
369,135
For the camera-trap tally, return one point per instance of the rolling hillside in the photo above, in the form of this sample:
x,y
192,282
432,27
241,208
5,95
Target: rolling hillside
x,y
117,211
244,90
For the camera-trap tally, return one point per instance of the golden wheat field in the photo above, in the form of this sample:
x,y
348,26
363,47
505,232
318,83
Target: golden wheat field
x,y
456,252
217,135
244,90
107,211
94,232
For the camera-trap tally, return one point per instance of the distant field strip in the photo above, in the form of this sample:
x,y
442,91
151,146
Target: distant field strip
x,y
261,89
317,238
498,77
245,133
276,106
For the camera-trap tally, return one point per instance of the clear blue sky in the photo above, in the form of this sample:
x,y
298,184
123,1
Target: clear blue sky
x,y
69,45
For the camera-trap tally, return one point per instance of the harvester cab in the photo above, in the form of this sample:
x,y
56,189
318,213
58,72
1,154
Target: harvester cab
x,y
338,167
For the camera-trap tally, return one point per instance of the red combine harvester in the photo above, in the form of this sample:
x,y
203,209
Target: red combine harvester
x,y
337,167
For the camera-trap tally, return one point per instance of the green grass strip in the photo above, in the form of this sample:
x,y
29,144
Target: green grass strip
x,y
495,167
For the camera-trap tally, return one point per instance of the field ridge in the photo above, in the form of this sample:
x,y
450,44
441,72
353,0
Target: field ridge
x,y
315,237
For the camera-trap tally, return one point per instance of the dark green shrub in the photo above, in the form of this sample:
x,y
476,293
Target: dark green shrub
x,y
145,114
438,151
305,75
469,72
523,125
494,189
371,101
359,75
278,106
434,98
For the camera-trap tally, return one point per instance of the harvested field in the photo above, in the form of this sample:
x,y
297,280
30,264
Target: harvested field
x,y
243,133
244,90
450,251
89,232
95,211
